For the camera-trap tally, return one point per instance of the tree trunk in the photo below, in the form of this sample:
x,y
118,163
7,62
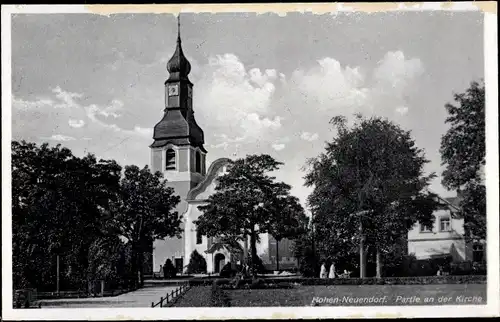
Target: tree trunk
x,y
245,249
362,257
253,246
277,256
379,263
140,274
134,269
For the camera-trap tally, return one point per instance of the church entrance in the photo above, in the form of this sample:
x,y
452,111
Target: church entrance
x,y
220,260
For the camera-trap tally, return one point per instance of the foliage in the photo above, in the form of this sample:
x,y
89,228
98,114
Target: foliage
x,y
370,175
463,150
229,243
308,258
256,264
197,263
144,212
246,201
60,206
104,258
169,269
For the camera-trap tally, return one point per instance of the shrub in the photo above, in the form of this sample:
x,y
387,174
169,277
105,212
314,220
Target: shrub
x,y
218,297
197,263
169,270
258,265
227,271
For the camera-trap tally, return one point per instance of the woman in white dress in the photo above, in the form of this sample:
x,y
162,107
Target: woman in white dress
x,y
323,273
331,274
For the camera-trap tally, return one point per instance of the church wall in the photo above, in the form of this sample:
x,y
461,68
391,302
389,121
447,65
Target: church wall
x,y
156,160
172,247
183,159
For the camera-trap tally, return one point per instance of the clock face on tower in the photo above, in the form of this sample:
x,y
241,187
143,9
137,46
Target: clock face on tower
x,y
173,90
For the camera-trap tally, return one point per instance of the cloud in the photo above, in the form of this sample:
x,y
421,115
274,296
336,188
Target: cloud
x,y
76,123
309,136
402,110
20,104
345,90
278,146
394,71
230,98
329,85
45,119
59,137
146,132
67,99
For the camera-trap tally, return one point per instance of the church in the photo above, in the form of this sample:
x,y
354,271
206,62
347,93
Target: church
x,y
178,152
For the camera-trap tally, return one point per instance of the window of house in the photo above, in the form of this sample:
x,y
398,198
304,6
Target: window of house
x,y
199,238
425,228
198,161
445,224
477,253
170,160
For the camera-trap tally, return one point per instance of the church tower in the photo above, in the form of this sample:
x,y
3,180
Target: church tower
x,y
177,150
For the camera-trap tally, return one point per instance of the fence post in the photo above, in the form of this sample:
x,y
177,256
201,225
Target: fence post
x,y
152,304
167,297
161,301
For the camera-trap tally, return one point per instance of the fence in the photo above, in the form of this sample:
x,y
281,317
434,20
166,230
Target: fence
x,y
170,297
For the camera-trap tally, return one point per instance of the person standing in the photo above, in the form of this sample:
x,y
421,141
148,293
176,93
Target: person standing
x,y
331,274
323,273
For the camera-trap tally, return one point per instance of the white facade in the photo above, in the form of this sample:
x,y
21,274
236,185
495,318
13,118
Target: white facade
x,y
197,197
440,239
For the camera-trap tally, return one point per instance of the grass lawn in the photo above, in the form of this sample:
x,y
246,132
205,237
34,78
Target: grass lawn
x,y
344,295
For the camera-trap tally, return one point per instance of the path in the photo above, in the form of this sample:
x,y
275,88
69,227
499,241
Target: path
x,y
139,298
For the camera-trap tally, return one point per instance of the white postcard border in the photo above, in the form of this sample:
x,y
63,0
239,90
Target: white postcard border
x,y
491,81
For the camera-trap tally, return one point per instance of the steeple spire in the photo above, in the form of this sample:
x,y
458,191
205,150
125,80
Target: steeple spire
x,y
179,27
178,66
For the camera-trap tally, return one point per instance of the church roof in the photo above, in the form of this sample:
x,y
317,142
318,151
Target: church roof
x,y
179,128
209,178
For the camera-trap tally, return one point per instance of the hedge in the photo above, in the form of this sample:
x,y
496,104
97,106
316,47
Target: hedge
x,y
417,280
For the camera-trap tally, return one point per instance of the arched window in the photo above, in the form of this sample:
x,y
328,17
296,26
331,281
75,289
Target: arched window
x,y
170,160
198,161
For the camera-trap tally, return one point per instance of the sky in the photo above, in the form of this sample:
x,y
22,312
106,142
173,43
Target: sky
x,y
262,83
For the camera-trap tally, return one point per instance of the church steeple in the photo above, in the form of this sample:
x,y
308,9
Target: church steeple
x,y
178,66
178,149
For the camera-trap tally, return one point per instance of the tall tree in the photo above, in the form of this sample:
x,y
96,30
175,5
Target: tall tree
x,y
244,202
59,203
369,184
144,212
463,150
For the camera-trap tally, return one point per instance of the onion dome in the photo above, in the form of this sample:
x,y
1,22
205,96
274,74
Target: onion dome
x,y
178,66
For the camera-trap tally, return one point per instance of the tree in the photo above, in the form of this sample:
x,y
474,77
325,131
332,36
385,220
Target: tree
x,y
144,212
307,257
290,221
197,263
463,150
369,189
169,269
60,206
244,202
